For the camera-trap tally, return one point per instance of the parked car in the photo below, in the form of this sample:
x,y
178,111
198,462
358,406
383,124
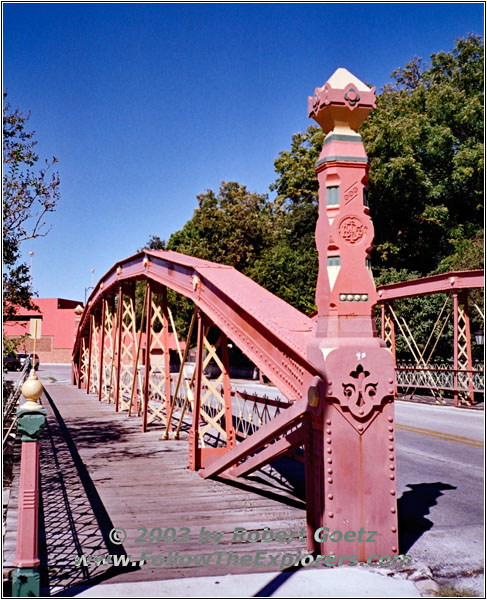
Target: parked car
x,y
22,358
34,361
11,362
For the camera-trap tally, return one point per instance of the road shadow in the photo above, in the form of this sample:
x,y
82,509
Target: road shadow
x,y
73,520
412,507
276,582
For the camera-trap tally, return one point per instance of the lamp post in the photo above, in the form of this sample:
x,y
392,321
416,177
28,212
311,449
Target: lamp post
x,y
479,337
91,287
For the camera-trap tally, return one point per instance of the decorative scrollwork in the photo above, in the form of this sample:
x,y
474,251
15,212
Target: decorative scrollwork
x,y
359,395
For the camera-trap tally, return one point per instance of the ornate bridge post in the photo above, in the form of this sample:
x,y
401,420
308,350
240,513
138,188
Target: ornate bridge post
x,y
351,436
31,421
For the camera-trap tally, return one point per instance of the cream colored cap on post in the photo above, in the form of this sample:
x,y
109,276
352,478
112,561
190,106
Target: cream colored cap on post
x,y
31,390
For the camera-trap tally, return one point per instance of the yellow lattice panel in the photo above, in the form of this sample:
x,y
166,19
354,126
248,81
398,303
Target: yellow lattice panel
x,y
108,354
128,355
95,356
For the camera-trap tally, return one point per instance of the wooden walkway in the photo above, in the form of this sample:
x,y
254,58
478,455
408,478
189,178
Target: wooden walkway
x,y
99,472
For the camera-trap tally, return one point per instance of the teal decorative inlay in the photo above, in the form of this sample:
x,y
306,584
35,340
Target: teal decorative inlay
x,y
26,582
366,197
333,195
342,158
30,423
341,137
368,263
333,261
352,96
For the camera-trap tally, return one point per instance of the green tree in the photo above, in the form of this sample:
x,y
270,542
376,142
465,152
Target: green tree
x,y
425,145
289,268
28,194
231,227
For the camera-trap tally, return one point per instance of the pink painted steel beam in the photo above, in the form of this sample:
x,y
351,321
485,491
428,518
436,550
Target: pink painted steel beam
x,y
268,432
269,331
445,282
287,443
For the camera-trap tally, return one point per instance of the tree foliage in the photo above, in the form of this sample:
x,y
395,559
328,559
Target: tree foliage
x,y
28,194
425,145
231,227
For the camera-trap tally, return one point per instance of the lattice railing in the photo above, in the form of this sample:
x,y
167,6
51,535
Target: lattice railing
x,y
95,356
440,376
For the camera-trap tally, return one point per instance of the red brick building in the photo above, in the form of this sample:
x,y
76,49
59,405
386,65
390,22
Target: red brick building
x,y
56,323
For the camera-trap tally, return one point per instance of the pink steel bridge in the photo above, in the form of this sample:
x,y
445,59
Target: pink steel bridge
x,y
463,378
336,374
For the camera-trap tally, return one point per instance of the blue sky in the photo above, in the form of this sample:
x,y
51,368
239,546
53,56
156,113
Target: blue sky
x,y
148,105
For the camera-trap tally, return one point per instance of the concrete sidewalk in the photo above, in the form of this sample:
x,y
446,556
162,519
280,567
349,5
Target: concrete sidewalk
x,y
342,582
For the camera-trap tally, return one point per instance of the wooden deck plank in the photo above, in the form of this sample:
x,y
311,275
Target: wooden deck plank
x,y
99,471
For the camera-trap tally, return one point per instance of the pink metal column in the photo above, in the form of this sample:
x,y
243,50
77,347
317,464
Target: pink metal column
x,y
148,329
90,350
31,420
119,347
167,355
194,449
352,437
455,348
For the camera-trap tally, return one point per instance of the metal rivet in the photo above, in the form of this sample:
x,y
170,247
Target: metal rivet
x,y
393,492
330,471
391,390
330,514
328,421
394,549
391,476
329,461
364,297
357,298
328,440
390,381
328,431
349,297
343,297
390,419
328,450
330,480
361,428
391,429
361,412
330,496
393,529
393,510
391,456
391,467
391,438
391,448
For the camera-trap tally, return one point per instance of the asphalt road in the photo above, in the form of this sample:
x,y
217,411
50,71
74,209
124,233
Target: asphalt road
x,y
440,483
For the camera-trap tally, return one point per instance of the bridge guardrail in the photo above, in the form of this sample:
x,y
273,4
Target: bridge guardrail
x,y
441,376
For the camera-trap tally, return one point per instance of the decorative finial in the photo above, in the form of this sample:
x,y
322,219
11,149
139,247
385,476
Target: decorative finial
x,y
31,390
342,104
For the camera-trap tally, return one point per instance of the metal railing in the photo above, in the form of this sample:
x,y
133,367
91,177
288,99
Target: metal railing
x,y
440,376
11,404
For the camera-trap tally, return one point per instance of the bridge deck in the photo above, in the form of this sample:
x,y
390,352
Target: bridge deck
x,y
98,471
